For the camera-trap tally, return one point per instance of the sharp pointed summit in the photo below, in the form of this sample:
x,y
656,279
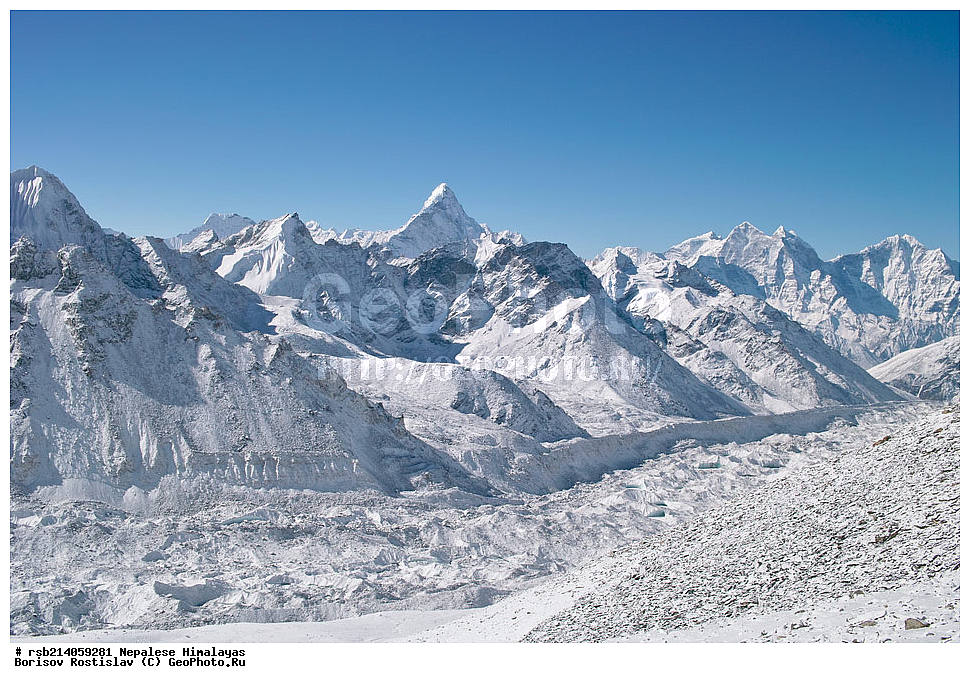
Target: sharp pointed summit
x,y
441,194
441,221
443,207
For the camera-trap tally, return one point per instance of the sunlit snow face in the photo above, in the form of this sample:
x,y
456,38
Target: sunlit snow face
x,y
656,302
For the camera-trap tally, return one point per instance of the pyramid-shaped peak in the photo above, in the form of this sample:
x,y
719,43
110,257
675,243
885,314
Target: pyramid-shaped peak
x,y
443,205
441,221
744,233
443,198
46,212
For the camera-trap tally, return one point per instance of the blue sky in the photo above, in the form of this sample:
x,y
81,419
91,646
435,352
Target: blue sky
x,y
591,129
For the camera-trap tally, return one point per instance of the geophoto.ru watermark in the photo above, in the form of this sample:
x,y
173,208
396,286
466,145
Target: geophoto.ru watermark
x,y
436,313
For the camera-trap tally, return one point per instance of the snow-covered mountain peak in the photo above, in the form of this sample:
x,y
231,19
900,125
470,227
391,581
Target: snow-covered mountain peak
x,y
287,228
33,186
445,211
441,194
908,239
29,183
441,221
221,224
47,213
904,247
746,228
225,224
204,240
693,246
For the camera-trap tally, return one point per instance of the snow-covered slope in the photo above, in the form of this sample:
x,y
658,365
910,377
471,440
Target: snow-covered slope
x,y
275,422
870,306
537,311
126,371
531,312
220,224
931,372
735,342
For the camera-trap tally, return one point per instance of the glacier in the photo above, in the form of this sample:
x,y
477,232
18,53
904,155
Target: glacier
x,y
269,421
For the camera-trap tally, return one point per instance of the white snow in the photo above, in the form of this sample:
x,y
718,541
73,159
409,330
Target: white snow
x,y
441,432
889,297
221,225
932,371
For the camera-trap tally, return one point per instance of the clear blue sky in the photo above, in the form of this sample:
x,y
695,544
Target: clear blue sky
x,y
591,129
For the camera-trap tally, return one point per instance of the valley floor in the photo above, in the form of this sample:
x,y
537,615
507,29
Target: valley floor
x,y
841,534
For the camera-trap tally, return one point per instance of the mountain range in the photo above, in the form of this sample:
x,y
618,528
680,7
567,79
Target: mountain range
x,y
278,354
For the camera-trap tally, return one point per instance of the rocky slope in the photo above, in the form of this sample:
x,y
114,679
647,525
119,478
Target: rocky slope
x,y
838,525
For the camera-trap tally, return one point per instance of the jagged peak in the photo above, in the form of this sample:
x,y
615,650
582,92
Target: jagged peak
x,y
908,239
286,225
746,228
892,242
618,257
286,228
